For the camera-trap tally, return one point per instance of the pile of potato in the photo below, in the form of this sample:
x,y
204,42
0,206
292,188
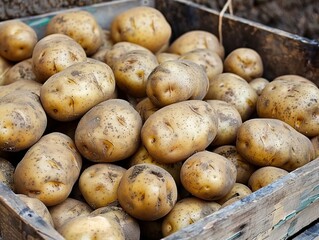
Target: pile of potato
x,y
125,133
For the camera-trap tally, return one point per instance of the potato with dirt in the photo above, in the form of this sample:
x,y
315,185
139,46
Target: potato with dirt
x,y
6,173
272,142
70,93
49,169
147,192
175,132
109,131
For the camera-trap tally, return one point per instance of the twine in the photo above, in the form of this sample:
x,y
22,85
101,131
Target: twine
x,y
228,5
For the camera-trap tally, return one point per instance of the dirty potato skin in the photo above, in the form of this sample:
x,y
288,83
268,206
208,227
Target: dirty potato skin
x,y
109,132
23,120
208,176
49,169
235,90
67,210
17,40
132,70
70,93
146,108
175,81
186,212
174,132
98,184
6,173
244,62
38,207
79,25
147,192
265,176
258,84
272,142
26,85
129,225
238,191
145,26
5,66
54,53
294,100
244,168
196,39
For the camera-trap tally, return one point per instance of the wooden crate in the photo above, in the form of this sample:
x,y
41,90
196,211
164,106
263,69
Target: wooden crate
x,y
277,211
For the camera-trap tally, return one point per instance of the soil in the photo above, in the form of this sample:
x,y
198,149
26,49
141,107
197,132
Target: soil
x,y
295,16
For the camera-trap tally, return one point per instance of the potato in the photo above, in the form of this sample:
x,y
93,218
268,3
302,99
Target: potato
x,y
23,120
258,84
272,142
81,26
244,62
165,56
176,81
147,192
49,169
208,176
132,70
238,191
38,207
294,100
6,173
92,228
106,45
70,93
145,108
109,132
17,40
186,212
244,168
208,59
315,143
142,25
20,71
5,65
265,176
54,53
175,132
129,225
25,85
142,156
229,121
231,201
98,184
196,39
119,49
235,90
68,209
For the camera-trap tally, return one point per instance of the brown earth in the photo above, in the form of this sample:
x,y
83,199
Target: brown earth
x,y
295,16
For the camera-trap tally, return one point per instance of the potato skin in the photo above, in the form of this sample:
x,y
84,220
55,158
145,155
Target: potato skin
x,y
70,93
185,212
6,173
272,142
54,53
145,108
67,210
145,26
229,121
5,65
49,169
258,84
265,176
23,120
26,85
79,25
38,207
132,70
176,131
147,192
235,90
175,81
208,176
109,132
98,184
17,40
238,191
294,100
244,62
196,39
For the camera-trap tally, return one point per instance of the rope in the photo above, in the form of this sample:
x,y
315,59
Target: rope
x,y
228,5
